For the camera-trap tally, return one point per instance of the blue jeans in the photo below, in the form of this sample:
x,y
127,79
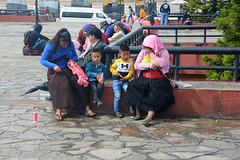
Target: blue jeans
x,y
117,87
164,17
39,45
130,16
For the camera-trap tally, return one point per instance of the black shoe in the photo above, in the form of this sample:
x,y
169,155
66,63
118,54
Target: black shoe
x,y
118,114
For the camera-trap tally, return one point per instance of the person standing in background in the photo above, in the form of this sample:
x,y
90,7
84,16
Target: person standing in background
x,y
165,11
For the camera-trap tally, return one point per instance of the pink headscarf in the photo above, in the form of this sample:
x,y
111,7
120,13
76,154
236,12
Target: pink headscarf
x,y
153,42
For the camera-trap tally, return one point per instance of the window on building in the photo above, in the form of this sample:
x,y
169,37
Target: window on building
x,y
81,3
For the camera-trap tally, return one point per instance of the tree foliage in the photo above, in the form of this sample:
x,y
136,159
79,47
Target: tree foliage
x,y
205,6
229,24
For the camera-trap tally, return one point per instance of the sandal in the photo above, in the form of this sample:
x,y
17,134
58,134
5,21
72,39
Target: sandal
x,y
91,115
58,117
137,118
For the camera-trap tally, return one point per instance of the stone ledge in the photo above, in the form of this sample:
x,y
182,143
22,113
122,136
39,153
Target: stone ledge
x,y
211,99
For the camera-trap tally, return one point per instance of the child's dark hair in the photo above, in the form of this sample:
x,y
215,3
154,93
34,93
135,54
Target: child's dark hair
x,y
96,50
124,47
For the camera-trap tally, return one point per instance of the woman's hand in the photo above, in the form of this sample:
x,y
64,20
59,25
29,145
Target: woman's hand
x,y
57,69
155,67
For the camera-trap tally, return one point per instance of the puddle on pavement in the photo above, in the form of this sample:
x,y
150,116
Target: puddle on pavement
x,y
132,132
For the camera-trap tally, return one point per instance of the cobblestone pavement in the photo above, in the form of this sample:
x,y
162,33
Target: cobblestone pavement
x,y
105,137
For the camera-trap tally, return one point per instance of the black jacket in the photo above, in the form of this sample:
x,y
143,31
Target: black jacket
x,y
35,35
165,8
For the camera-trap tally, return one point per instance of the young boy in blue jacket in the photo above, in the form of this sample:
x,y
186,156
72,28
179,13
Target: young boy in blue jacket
x,y
97,74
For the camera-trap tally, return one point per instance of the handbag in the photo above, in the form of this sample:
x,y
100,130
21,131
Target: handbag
x,y
82,62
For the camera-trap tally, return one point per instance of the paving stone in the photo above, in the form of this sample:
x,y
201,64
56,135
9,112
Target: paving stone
x,y
231,153
14,153
161,156
109,144
106,132
135,156
211,157
79,151
187,155
218,144
111,153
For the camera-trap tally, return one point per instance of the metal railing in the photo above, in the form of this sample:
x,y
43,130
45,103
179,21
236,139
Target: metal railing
x,y
19,12
195,18
177,28
177,51
134,41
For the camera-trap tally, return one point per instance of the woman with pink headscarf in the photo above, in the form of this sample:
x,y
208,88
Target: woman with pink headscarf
x,y
151,91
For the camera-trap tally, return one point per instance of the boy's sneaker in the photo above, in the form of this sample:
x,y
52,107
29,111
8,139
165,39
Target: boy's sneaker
x,y
131,110
118,114
99,103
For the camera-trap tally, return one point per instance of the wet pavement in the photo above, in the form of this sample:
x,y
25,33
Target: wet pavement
x,y
80,137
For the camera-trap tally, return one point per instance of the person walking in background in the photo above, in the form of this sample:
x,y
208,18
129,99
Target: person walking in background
x,y
122,69
130,13
63,86
36,40
97,74
165,11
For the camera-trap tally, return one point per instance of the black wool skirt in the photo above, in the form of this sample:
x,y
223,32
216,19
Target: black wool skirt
x,y
65,91
149,94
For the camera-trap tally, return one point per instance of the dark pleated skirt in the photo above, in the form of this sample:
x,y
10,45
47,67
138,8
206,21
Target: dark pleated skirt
x,y
65,91
149,94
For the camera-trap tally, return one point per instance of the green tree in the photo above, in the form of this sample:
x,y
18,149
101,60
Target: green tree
x,y
205,6
229,24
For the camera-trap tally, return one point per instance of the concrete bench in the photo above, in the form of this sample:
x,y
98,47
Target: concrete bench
x,y
212,99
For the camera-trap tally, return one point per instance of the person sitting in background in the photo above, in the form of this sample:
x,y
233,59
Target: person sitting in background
x,y
214,16
118,28
108,28
87,45
37,40
157,13
124,17
188,22
82,38
47,13
76,45
149,21
185,16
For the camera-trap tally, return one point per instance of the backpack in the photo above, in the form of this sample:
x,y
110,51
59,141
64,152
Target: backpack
x,y
26,39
